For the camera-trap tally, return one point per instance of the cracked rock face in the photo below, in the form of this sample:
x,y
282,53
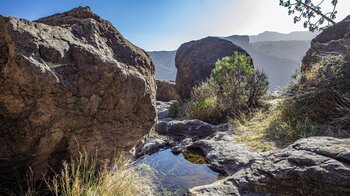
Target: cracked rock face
x,y
70,81
312,166
194,61
166,90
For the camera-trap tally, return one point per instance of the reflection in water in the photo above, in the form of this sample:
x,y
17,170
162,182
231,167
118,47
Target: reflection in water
x,y
176,174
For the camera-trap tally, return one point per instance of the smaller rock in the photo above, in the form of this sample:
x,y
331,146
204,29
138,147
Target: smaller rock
x,y
166,90
152,145
177,149
163,110
223,154
189,128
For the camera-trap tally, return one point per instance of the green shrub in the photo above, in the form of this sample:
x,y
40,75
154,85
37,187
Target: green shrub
x,y
233,89
239,86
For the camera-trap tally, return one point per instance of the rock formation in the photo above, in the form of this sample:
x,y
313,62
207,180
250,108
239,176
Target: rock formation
x,y
327,63
166,90
195,60
67,82
324,88
313,166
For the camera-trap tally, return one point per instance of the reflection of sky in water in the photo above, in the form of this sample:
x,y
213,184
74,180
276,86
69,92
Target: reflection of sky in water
x,y
175,173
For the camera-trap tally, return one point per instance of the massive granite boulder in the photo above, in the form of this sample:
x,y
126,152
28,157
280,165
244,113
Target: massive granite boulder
x,y
312,166
195,60
67,82
166,90
327,63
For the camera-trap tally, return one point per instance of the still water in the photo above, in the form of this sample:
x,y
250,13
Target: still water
x,y
176,173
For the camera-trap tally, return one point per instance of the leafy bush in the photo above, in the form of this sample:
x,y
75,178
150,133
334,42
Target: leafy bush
x,y
234,88
240,87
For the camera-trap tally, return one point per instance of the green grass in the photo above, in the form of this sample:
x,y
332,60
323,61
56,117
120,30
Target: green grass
x,y
275,128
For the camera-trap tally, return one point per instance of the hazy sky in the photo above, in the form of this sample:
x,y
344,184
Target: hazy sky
x,y
166,24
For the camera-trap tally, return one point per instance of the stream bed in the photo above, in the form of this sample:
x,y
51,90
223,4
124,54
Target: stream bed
x,y
176,173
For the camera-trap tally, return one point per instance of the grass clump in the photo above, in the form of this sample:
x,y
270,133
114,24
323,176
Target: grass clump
x,y
274,128
86,176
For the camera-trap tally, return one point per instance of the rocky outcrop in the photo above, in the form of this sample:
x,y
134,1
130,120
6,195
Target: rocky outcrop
x,y
195,60
312,166
327,63
69,81
166,90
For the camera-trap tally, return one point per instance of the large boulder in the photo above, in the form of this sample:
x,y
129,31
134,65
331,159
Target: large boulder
x,y
166,90
67,82
327,63
313,166
196,59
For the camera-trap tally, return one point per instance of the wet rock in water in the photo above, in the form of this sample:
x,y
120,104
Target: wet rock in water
x,y
189,128
180,147
150,146
195,60
166,90
67,81
163,110
223,154
312,166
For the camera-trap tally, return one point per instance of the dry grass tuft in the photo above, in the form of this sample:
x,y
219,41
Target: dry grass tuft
x,y
86,176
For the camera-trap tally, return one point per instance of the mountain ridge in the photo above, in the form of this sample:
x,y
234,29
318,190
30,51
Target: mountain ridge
x,y
278,58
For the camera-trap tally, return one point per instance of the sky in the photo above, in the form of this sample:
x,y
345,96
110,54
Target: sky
x,y
166,24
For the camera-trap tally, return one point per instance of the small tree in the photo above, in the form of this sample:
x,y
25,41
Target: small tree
x,y
239,86
314,17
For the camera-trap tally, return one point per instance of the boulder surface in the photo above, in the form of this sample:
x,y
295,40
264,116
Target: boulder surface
x,y
194,61
312,166
166,90
67,82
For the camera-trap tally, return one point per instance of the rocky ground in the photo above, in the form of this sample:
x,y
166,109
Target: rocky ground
x,y
311,166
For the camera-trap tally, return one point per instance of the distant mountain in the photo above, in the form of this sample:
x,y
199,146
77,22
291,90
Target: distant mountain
x,y
274,36
277,54
165,64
